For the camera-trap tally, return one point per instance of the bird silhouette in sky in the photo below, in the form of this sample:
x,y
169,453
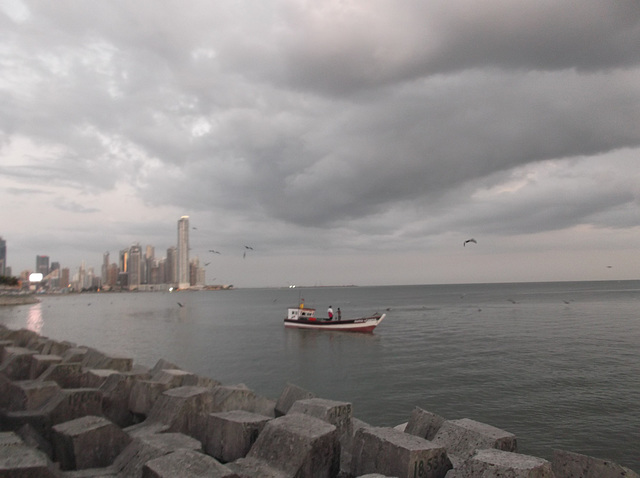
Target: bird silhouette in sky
x,y
214,252
206,264
469,240
180,304
248,247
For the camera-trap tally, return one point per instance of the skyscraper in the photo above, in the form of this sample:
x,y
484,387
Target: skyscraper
x,y
171,267
105,267
135,266
183,252
3,257
42,265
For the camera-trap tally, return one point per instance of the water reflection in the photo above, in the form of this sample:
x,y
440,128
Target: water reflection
x,y
34,318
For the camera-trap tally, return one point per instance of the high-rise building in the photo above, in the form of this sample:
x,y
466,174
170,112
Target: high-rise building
x,y
135,267
64,278
105,267
42,265
171,266
183,252
3,257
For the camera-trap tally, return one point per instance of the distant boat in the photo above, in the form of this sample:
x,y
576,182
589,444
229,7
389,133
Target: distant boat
x,y
305,318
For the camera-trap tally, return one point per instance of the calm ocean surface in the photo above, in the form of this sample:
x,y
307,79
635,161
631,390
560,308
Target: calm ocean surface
x,y
557,364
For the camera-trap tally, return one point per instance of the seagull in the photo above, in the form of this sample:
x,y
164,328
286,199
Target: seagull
x,y
214,252
469,240
248,247
180,304
206,264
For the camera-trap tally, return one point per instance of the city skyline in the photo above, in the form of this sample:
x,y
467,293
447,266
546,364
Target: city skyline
x,y
346,142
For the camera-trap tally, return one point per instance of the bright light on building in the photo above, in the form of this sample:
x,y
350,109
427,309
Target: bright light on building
x,y
35,277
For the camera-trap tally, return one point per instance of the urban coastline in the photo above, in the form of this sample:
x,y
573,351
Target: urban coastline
x,y
135,270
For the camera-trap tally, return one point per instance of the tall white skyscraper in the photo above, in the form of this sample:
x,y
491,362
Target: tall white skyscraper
x,y
183,252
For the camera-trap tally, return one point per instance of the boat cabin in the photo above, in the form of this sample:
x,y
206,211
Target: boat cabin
x,y
297,313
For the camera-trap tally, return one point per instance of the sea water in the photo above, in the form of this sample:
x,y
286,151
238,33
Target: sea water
x,y
557,364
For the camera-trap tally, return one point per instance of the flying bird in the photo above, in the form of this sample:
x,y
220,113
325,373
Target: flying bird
x,y
180,304
469,240
214,252
206,264
248,247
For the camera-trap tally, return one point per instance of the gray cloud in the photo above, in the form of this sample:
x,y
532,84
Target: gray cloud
x,y
285,120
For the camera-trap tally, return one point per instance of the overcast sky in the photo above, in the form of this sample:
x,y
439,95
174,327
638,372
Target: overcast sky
x,y
347,142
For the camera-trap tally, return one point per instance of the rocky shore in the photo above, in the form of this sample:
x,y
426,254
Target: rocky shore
x,y
73,411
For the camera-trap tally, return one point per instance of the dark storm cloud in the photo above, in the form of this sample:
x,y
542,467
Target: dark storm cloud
x,y
377,118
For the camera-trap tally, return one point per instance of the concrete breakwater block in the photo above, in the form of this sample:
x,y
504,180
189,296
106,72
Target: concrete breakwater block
x,y
116,390
96,359
395,453
40,363
67,375
145,392
19,460
181,409
567,464
336,413
294,445
464,437
16,363
29,394
64,406
87,442
493,463
145,448
291,394
186,464
240,397
74,354
424,424
230,435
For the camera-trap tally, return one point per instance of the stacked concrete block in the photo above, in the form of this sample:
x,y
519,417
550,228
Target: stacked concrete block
x,y
29,394
230,435
186,464
338,414
181,409
16,364
462,438
240,397
87,442
99,360
40,363
94,378
145,448
20,460
74,354
145,392
424,424
116,390
67,375
395,453
294,445
64,406
493,463
567,464
291,394
53,347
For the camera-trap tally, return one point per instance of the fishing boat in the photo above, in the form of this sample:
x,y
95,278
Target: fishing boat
x,y
305,318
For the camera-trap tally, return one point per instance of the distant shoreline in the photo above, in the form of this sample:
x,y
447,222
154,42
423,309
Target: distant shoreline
x,y
17,299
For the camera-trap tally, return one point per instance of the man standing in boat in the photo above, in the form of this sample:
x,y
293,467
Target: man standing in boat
x,y
330,313
339,314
